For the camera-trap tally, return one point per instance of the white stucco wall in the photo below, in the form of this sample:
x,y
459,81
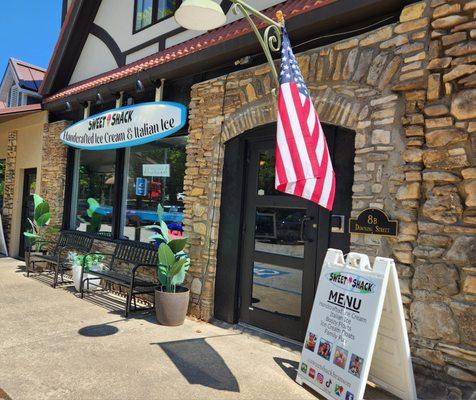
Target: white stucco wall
x,y
116,17
28,155
94,60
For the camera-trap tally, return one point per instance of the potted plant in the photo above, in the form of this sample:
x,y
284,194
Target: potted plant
x,y
40,231
91,262
171,299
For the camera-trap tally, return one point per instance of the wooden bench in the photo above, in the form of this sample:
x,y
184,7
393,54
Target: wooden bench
x,y
127,259
68,241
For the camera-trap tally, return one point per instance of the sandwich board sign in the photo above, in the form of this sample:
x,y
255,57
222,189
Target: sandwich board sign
x,y
357,331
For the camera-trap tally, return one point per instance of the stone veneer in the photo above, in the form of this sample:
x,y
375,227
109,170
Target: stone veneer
x,y
53,170
408,91
8,199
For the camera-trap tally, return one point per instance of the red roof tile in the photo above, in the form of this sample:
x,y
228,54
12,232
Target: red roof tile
x,y
290,9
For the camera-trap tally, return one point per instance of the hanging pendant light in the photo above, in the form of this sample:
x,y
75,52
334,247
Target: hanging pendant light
x,y
200,15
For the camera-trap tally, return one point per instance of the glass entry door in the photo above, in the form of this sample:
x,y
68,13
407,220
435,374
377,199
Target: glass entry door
x,y
280,244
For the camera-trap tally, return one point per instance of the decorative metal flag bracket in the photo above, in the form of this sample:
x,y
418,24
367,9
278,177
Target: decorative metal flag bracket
x,y
270,39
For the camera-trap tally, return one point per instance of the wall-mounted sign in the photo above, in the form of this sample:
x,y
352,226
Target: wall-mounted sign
x,y
357,330
141,186
156,170
373,221
126,126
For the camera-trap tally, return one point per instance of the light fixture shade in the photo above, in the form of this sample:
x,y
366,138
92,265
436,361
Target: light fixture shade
x,y
200,15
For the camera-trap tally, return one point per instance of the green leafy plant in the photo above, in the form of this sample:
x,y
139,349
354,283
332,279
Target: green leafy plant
x,y
173,261
95,219
39,224
90,260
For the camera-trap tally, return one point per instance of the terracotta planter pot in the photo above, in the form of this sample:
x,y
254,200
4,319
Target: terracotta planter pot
x,y
171,308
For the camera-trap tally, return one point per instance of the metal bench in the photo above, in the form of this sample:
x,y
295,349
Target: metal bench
x,y
68,241
127,259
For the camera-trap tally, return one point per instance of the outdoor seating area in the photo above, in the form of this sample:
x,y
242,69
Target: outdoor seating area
x,y
238,199
124,266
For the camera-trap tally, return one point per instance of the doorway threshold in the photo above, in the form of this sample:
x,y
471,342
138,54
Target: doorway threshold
x,y
266,336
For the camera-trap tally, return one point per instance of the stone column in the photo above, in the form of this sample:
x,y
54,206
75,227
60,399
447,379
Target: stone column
x,y
53,170
8,201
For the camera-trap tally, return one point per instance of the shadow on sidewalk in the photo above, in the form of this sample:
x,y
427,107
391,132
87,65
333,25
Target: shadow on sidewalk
x,y
200,364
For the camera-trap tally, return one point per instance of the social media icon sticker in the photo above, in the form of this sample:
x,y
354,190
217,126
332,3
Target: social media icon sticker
x,y
320,378
338,390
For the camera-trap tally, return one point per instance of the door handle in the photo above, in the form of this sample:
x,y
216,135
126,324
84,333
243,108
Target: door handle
x,y
304,221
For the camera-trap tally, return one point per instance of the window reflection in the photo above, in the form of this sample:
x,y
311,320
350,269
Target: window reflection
x,y
266,174
156,172
280,231
277,289
94,206
143,13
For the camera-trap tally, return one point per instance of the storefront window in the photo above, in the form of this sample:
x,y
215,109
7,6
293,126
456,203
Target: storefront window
x,y
94,205
156,173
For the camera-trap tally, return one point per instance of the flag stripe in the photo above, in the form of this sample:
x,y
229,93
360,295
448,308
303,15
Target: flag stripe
x,y
303,163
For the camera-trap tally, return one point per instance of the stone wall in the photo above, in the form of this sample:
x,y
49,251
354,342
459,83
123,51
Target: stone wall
x,y
406,90
53,169
8,199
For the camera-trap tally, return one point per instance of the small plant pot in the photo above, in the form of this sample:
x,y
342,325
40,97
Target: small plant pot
x,y
171,308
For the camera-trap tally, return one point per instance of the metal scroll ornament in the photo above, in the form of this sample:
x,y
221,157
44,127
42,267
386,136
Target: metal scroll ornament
x,y
270,40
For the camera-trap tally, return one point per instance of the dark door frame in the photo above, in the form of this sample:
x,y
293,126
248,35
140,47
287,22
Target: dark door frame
x,y
24,216
230,235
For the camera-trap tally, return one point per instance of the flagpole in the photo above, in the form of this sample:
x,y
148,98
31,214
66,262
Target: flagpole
x,y
270,40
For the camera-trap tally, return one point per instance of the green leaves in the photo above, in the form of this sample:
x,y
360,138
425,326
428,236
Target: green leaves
x,y
160,212
37,200
39,224
166,255
177,245
42,211
93,206
173,265
173,261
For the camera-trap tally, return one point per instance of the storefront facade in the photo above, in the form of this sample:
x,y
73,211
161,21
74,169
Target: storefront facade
x,y
29,153
397,104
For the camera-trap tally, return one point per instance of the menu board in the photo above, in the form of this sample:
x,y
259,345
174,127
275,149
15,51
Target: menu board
x,y
342,331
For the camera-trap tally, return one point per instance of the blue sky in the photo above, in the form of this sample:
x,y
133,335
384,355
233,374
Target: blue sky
x,y
28,30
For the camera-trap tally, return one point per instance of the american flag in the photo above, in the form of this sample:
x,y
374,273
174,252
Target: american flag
x,y
303,164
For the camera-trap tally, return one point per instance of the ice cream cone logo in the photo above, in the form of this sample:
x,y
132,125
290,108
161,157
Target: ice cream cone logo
x,y
108,119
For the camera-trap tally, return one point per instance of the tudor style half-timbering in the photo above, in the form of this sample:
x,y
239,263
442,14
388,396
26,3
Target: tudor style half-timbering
x,y
393,85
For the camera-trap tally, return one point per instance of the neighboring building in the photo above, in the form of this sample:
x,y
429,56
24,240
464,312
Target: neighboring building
x,y
20,84
21,148
395,92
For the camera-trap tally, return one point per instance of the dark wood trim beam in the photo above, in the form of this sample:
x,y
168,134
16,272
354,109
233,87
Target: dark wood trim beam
x,y
110,43
72,40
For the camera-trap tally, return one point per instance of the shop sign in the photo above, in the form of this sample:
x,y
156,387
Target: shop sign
x,y
373,221
357,331
156,170
126,126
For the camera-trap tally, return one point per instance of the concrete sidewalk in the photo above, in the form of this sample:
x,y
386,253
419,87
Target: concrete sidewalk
x,y
54,345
